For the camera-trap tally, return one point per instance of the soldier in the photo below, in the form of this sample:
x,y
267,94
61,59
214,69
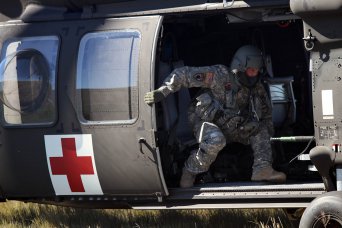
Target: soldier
x,y
233,107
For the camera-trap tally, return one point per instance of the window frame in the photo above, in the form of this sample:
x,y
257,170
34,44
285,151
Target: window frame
x,y
79,104
57,38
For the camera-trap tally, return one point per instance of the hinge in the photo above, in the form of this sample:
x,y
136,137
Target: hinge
x,y
228,4
159,197
309,41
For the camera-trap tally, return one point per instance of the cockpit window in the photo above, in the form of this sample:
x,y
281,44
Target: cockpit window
x,y
107,74
27,80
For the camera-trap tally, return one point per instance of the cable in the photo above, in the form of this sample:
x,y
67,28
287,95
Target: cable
x,y
307,146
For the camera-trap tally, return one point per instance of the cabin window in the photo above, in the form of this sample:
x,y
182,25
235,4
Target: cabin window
x,y
107,74
27,80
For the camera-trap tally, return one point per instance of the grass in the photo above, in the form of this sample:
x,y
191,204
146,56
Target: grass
x,y
18,214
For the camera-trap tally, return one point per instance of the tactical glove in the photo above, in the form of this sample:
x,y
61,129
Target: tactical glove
x,y
153,97
222,117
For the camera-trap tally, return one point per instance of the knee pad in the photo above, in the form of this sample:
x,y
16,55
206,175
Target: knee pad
x,y
211,138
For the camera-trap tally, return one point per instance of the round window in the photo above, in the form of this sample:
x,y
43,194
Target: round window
x,y
24,80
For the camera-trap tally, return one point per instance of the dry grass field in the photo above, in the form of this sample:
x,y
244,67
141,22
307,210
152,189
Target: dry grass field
x,y
18,214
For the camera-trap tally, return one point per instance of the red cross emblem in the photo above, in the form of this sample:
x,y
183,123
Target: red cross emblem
x,y
71,165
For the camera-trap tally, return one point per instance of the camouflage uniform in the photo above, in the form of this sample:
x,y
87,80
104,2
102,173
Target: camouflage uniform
x,y
226,111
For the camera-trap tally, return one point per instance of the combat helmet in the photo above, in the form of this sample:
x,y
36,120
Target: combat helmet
x,y
246,56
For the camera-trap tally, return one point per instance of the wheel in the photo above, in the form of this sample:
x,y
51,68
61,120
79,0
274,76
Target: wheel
x,y
324,211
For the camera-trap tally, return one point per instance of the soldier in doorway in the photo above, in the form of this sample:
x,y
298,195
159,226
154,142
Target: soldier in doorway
x,y
232,107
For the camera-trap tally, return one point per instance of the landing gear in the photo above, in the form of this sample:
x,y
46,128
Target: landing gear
x,y
324,211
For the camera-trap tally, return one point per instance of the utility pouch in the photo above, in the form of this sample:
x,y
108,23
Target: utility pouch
x,y
206,107
233,124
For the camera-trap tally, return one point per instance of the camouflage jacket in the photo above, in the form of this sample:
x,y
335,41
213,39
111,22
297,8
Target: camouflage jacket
x,y
224,93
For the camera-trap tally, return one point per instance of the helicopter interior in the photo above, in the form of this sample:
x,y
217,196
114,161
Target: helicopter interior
x,y
202,40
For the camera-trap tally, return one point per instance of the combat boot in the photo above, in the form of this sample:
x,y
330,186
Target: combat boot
x,y
187,180
268,174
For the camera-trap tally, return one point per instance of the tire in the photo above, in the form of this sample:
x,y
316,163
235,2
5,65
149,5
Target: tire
x,y
324,211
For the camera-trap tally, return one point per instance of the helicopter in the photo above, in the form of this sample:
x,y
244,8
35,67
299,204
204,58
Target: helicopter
x,y
75,131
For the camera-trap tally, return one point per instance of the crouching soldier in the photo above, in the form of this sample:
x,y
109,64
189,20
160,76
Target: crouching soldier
x,y
233,107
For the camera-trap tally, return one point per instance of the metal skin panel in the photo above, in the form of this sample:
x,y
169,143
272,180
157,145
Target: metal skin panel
x,y
304,7
327,92
29,10
122,167
322,28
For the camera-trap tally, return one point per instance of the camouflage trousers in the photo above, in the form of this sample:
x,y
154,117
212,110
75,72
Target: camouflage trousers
x,y
212,140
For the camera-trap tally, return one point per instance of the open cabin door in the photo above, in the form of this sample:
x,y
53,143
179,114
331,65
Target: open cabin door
x,y
115,68
323,38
